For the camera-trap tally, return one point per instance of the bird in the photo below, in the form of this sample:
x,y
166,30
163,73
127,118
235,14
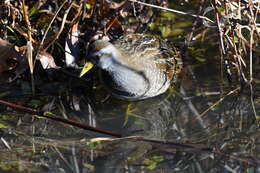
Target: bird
x,y
135,66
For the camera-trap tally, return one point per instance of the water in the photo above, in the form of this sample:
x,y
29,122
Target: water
x,y
199,111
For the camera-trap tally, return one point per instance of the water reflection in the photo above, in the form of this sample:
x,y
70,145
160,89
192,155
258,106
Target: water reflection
x,y
202,111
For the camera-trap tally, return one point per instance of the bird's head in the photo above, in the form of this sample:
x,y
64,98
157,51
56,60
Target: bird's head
x,y
101,54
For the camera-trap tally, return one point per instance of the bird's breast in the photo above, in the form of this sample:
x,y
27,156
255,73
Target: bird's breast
x,y
128,83
125,82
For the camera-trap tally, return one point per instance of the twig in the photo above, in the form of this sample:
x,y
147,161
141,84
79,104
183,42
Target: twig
x,y
172,10
219,30
219,101
49,26
26,19
182,147
6,143
253,28
175,144
58,118
190,35
29,45
61,27
67,163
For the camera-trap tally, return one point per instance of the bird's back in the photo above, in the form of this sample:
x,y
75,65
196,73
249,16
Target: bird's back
x,y
147,52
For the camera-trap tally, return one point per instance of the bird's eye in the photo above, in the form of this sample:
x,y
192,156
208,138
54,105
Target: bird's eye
x,y
98,55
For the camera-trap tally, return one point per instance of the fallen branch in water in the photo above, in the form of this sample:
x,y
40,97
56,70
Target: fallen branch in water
x,y
58,118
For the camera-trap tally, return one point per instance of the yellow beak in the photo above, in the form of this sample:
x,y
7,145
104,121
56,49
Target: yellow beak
x,y
86,68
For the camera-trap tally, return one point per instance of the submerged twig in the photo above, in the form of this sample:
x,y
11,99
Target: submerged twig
x,y
219,101
179,147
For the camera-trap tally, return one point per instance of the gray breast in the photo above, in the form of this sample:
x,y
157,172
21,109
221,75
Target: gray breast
x,y
125,83
129,84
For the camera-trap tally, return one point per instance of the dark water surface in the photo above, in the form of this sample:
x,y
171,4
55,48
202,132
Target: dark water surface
x,y
200,110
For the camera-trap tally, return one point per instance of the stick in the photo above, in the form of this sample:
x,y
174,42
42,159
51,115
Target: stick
x,y
57,118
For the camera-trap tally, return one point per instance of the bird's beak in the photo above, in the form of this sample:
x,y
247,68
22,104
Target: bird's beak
x,y
86,68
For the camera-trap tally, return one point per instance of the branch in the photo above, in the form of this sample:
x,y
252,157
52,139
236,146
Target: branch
x,y
58,118
172,10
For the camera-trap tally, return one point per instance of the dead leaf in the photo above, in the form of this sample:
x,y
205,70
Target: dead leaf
x,y
72,47
47,60
7,52
100,139
107,6
30,56
23,62
115,5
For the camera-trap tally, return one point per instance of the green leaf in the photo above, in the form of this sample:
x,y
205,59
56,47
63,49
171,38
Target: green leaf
x,y
152,163
200,59
168,15
6,117
3,94
3,126
89,166
36,103
92,144
32,11
221,8
10,29
40,117
88,6
158,158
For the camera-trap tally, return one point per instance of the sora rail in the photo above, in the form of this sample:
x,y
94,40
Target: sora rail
x,y
135,66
